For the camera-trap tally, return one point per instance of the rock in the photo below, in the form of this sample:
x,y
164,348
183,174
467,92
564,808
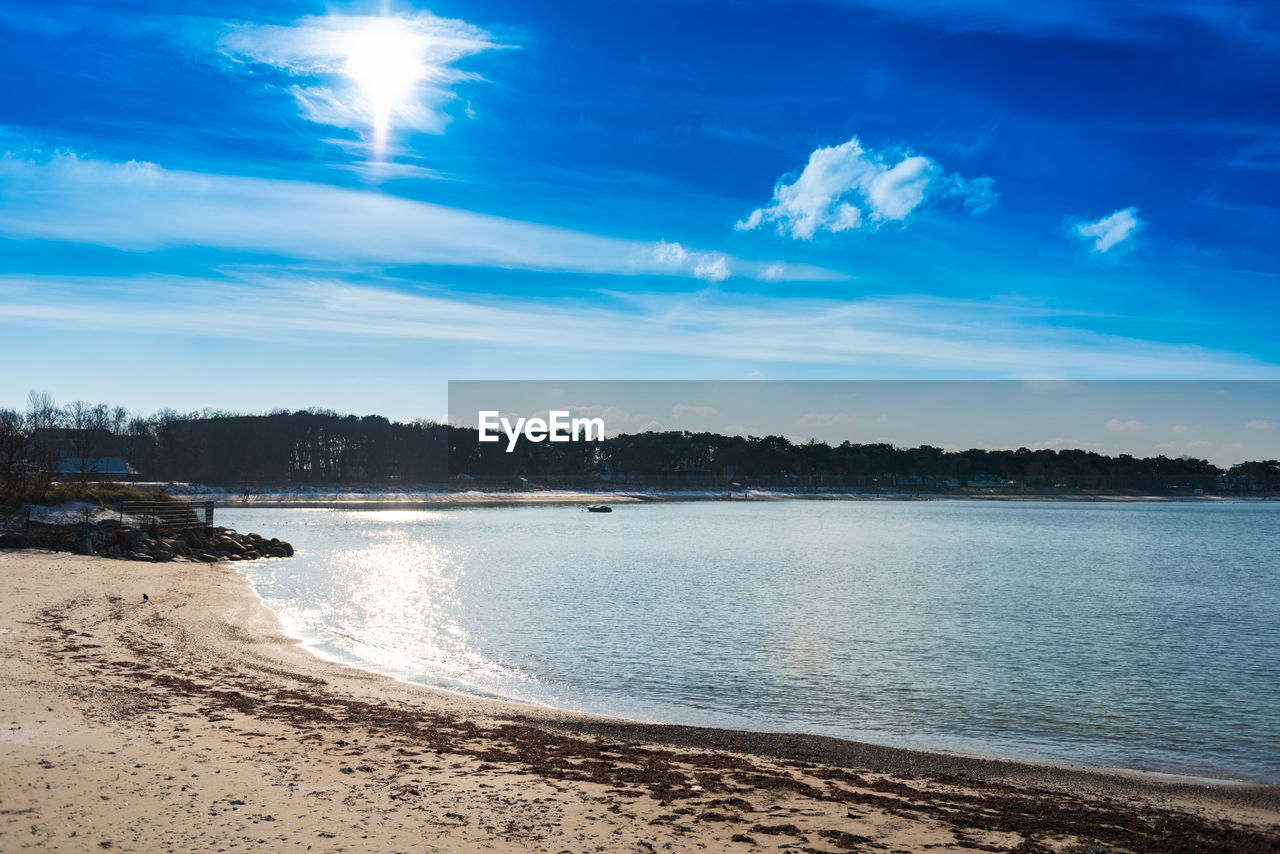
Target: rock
x,y
198,543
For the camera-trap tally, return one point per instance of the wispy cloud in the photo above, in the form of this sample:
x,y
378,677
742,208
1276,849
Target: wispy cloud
x,y
826,419
1115,425
1112,230
365,73
1261,155
1094,20
945,337
141,206
846,187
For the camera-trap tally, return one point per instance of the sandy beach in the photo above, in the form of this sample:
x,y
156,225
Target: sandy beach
x,y
157,707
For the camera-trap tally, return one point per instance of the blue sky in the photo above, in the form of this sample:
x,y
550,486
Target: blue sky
x,y
1223,422
304,204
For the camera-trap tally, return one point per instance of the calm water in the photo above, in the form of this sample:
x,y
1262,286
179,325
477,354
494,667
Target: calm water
x,y
1126,635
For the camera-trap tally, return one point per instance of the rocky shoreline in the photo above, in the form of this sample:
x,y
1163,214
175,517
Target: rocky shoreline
x,y
147,542
218,544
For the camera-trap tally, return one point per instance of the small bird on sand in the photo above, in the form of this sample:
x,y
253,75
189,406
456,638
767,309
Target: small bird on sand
x,y
145,597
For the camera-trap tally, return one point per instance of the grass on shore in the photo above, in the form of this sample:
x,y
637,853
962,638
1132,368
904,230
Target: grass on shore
x,y
103,493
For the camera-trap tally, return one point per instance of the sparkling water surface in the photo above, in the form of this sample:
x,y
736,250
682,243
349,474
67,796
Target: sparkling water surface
x,y
1129,635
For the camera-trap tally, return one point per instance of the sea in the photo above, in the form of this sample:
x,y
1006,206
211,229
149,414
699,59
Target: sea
x,y
1126,635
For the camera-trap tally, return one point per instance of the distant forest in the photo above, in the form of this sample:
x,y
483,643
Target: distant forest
x,y
326,448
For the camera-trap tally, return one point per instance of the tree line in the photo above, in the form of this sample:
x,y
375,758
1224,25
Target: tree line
x,y
316,446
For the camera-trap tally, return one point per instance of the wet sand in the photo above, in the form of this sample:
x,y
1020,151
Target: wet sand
x,y
187,721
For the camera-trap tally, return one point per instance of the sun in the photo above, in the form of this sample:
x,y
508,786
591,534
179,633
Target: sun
x,y
384,58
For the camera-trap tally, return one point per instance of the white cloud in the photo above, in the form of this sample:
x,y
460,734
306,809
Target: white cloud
x,y
1260,424
1115,425
847,187
826,419
143,207
957,337
712,267
1180,428
1112,230
894,192
378,172
670,254
365,72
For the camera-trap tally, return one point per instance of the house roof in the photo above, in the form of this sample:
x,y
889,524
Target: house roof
x,y
96,465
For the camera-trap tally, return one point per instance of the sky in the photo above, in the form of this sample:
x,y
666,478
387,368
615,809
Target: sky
x,y
294,204
1224,422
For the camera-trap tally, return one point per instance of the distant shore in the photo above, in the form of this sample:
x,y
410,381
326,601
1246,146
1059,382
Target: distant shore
x,y
186,719
319,497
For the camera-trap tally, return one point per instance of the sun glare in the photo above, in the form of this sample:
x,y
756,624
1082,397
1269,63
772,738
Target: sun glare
x,y
384,60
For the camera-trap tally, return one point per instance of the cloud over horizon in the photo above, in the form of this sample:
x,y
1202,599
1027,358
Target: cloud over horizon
x,y
848,187
986,339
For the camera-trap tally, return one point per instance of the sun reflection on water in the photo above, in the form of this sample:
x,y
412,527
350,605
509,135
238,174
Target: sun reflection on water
x,y
397,601
1115,635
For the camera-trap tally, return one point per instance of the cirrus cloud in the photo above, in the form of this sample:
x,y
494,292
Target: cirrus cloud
x,y
987,339
142,207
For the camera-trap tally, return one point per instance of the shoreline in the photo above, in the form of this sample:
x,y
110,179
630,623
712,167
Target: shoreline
x,y
677,733
102,687
425,499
